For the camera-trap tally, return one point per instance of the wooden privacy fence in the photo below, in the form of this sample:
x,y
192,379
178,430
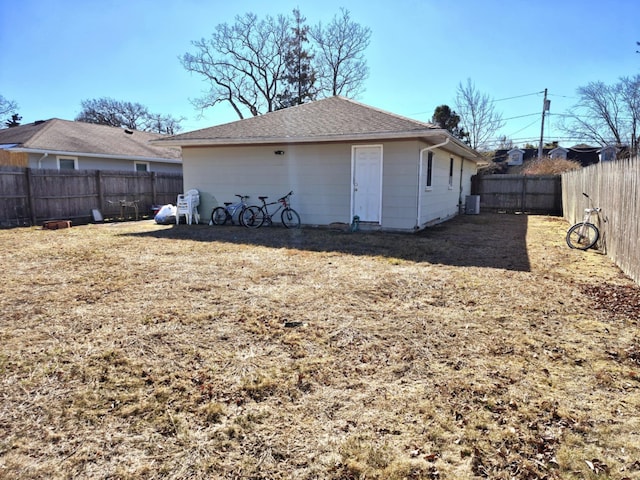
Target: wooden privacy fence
x,y
519,193
614,187
32,196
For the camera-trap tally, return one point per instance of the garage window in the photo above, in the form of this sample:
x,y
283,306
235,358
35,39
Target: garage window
x,y
429,171
451,173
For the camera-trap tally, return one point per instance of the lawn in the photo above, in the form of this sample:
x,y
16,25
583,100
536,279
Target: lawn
x,y
481,348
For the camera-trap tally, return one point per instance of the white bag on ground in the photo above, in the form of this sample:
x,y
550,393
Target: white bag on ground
x,y
166,214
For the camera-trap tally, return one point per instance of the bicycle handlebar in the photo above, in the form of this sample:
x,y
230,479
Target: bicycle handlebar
x,y
285,196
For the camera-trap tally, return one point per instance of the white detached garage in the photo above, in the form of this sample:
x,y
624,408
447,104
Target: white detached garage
x,y
341,159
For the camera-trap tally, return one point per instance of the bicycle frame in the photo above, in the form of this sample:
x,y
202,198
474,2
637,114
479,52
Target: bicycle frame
x,y
284,203
589,211
234,207
585,234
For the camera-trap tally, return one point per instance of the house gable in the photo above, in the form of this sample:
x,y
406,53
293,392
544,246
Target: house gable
x,y
515,156
559,153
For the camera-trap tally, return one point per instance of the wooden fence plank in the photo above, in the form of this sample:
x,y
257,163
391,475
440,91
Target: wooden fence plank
x,y
519,193
614,187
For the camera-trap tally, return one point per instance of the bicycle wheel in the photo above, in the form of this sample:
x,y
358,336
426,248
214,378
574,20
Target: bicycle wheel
x,y
290,218
582,236
253,217
246,215
219,216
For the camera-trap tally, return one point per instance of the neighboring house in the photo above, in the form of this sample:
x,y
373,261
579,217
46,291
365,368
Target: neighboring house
x,y
62,144
608,153
341,159
512,161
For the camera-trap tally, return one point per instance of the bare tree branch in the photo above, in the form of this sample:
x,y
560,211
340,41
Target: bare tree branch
x,y
243,63
607,114
341,64
107,111
7,107
477,115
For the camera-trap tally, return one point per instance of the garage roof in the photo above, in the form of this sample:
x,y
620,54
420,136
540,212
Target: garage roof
x,y
333,119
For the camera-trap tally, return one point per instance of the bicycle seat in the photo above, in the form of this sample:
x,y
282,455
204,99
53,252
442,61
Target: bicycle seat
x,y
262,198
226,204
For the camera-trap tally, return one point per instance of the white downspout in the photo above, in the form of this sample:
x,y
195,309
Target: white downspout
x,y
42,158
420,189
460,204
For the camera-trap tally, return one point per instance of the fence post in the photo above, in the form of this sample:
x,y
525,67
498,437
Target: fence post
x,y
100,190
30,202
154,188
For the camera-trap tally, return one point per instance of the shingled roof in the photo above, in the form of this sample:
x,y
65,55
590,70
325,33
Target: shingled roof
x,y
332,119
66,137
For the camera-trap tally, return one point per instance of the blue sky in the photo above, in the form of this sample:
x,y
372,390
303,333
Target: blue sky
x,y
56,53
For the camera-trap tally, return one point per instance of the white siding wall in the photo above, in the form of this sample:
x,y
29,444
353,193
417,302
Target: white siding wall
x,y
399,185
319,177
97,163
442,201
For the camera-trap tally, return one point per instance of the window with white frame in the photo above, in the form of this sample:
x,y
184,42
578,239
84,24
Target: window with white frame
x,y
429,182
451,172
141,166
67,163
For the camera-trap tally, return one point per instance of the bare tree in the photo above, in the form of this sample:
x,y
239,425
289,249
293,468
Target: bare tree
x,y
166,124
630,95
340,59
243,63
258,66
478,116
504,143
8,107
115,113
607,114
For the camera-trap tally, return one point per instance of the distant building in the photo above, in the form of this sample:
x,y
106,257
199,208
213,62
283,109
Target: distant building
x,y
512,160
65,145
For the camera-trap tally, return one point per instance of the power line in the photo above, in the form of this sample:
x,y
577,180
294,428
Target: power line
x,y
524,128
561,96
521,116
518,96
493,101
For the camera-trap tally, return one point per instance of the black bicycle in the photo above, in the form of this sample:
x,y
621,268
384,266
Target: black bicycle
x,y
260,215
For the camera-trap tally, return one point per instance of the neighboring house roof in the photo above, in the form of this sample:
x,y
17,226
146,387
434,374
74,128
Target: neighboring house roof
x,y
583,154
64,137
333,119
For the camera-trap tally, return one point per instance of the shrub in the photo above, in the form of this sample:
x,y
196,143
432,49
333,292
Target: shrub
x,y
550,166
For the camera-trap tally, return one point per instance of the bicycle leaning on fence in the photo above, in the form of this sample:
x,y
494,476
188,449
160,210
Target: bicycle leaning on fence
x,y
585,234
260,215
222,215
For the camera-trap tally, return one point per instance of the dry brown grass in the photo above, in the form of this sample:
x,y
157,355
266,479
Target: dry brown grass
x,y
550,166
142,351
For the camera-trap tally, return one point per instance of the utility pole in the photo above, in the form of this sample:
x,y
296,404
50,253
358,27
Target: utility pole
x,y
545,108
